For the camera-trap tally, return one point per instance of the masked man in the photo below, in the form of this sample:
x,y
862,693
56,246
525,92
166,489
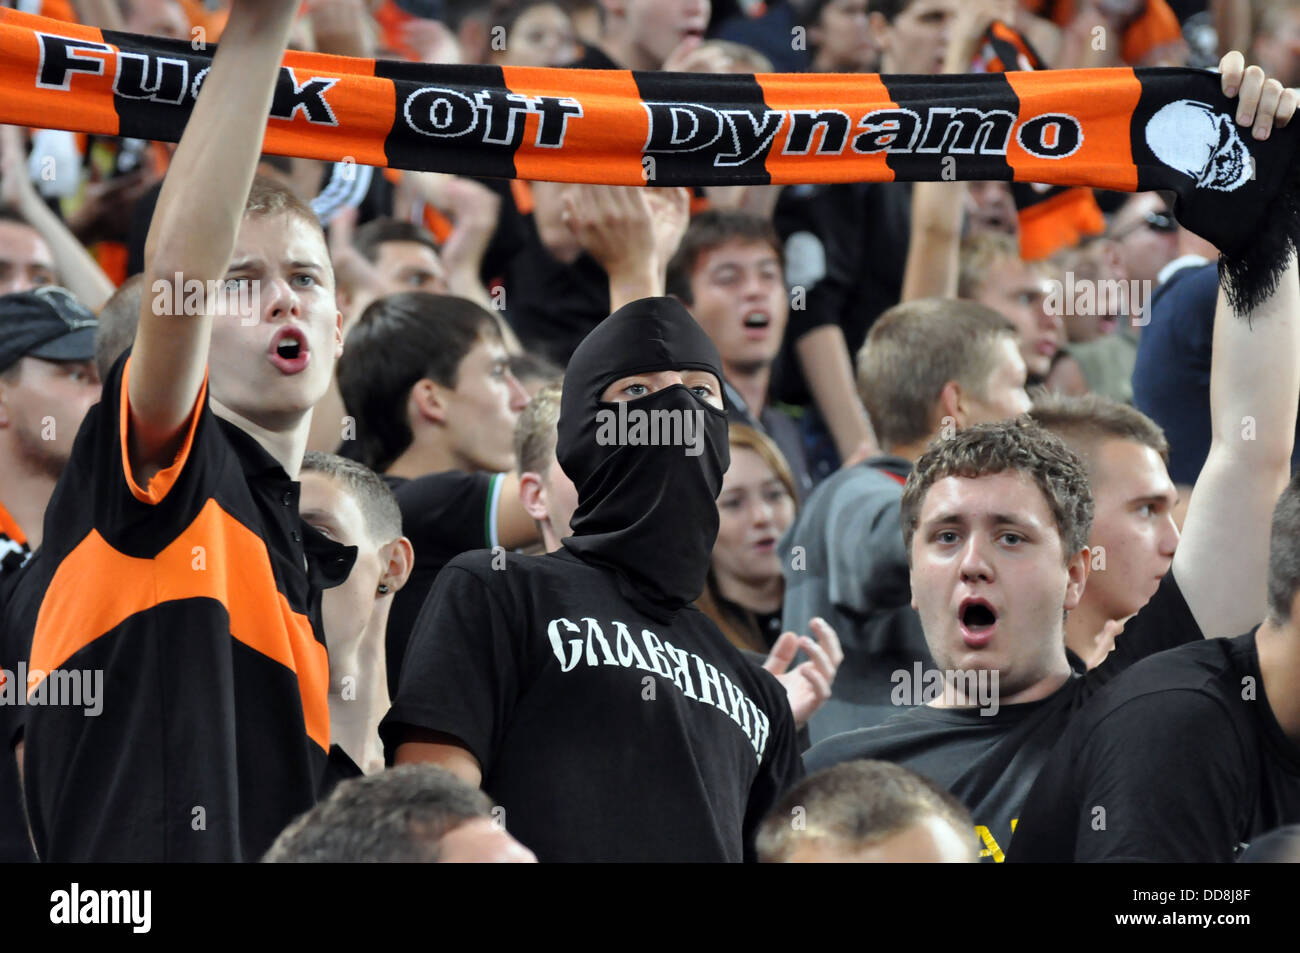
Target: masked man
x,y
608,717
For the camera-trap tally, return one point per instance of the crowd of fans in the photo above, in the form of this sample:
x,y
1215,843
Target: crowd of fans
x,y
357,576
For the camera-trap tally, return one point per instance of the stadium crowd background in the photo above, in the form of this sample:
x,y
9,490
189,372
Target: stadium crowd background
x,y
853,325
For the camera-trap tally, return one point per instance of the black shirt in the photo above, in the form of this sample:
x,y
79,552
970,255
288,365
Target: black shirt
x,y
846,248
443,515
197,598
783,431
15,846
1179,759
604,734
990,761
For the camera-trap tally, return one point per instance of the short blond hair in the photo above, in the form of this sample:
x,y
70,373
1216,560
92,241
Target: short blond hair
x,y
978,255
535,433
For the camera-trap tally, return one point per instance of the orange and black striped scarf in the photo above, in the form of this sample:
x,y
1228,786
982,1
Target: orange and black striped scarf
x,y
1123,129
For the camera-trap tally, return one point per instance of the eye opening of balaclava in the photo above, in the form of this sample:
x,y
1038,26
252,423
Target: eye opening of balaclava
x,y
647,498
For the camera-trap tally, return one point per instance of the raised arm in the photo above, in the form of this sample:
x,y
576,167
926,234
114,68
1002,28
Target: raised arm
x,y
196,222
78,271
1222,560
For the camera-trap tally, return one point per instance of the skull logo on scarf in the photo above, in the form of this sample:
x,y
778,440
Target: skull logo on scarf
x,y
1189,136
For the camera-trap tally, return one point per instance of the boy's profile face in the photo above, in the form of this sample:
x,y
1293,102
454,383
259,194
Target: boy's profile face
x,y
271,364
483,407
345,608
1134,525
990,580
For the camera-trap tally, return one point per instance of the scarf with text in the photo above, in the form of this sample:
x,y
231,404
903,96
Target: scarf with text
x,y
1119,128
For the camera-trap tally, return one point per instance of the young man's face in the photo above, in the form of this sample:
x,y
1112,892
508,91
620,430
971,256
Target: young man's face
x,y
26,261
1146,235
41,406
480,412
272,366
917,40
410,266
1004,394
990,580
1133,525
157,18
844,38
658,26
542,36
740,301
754,510
990,209
1018,292
345,608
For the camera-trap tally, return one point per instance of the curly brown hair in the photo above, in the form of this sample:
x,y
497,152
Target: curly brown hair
x,y
1020,445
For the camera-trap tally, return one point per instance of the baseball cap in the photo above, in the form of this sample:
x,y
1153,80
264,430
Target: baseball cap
x,y
48,323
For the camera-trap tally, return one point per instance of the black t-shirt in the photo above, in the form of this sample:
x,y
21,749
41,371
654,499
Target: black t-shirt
x,y
990,761
190,609
1178,760
604,734
846,246
550,304
15,846
443,515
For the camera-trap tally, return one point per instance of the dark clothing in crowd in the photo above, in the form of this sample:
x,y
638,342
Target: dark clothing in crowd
x,y
843,560
989,759
846,248
783,430
15,845
1180,759
1171,379
605,734
769,34
610,717
443,515
550,305
197,599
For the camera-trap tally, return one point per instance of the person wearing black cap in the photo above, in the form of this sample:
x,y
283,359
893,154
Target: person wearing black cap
x,y
47,383
604,713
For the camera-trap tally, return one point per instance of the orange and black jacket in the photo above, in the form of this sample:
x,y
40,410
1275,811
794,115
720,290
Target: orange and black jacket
x,y
198,597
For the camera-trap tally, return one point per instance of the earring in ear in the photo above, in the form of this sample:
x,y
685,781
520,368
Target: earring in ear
x,y
383,589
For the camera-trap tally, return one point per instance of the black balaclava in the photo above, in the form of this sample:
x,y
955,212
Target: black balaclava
x,y
648,512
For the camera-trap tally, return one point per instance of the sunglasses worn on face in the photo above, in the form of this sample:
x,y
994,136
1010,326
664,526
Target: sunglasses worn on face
x,y
1161,222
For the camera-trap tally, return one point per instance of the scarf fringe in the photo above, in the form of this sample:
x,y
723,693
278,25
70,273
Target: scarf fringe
x,y
1251,273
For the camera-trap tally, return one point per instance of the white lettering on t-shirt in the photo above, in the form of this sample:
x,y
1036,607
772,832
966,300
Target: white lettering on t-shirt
x,y
665,660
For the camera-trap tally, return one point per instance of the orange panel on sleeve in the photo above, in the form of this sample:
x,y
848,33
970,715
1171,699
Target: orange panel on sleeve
x,y
160,483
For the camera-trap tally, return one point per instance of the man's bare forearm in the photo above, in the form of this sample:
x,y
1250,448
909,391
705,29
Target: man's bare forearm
x,y
1222,560
933,251
828,369
78,270
198,216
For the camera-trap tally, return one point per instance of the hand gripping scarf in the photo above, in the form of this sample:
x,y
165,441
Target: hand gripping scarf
x,y
1123,129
